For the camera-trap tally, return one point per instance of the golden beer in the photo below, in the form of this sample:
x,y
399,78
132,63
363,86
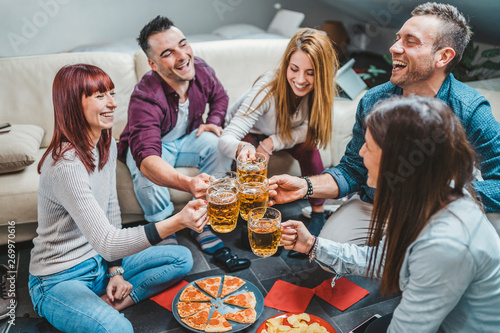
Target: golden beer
x,y
222,208
258,166
253,197
254,193
264,236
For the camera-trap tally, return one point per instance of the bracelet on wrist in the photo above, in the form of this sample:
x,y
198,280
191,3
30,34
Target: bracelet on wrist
x,y
309,188
269,152
312,246
312,254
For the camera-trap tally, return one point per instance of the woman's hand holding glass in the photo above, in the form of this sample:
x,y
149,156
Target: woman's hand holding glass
x,y
295,236
194,215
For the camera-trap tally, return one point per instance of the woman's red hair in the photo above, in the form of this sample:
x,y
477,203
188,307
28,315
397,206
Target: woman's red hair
x,y
71,129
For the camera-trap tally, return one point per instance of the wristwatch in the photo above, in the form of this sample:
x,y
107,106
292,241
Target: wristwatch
x,y
119,270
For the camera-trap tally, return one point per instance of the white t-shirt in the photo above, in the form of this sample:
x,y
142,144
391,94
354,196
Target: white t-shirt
x,y
181,125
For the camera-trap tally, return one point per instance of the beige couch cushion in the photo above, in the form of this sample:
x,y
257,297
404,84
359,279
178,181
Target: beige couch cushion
x,y
19,199
19,147
26,86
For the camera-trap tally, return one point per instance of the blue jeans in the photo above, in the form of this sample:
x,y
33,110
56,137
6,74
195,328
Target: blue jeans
x,y
188,151
70,300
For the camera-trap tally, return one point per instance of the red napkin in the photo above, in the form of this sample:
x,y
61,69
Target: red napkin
x,y
288,297
344,294
165,298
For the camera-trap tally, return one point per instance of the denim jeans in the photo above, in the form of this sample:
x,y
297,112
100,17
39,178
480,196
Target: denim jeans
x,y
188,151
70,300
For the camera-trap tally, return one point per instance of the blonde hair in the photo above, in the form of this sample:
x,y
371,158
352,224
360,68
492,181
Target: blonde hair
x,y
319,49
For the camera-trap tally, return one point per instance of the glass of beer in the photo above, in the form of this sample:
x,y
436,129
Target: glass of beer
x,y
223,207
254,193
246,165
264,231
224,177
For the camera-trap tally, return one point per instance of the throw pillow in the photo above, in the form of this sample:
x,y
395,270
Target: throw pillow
x,y
19,147
233,31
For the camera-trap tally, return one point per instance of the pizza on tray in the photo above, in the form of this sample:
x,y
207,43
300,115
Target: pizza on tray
x,y
245,300
231,284
198,320
191,294
246,316
210,285
185,309
218,323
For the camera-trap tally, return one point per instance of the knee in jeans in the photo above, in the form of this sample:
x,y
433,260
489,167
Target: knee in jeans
x,y
118,324
210,140
186,260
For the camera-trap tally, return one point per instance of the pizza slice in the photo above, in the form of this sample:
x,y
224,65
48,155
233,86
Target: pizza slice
x,y
246,300
188,308
191,294
231,284
246,316
198,321
218,323
210,285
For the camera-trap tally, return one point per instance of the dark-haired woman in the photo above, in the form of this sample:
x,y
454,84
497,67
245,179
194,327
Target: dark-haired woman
x,y
428,237
84,267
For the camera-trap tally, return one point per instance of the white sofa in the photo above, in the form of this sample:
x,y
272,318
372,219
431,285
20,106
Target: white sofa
x,y
25,93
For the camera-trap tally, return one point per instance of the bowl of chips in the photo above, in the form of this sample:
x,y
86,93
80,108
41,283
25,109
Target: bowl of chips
x,y
295,323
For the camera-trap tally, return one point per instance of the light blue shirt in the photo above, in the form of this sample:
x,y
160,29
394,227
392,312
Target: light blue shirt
x,y
450,277
473,110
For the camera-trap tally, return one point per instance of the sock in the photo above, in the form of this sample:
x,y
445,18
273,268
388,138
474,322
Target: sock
x,y
209,242
317,222
169,240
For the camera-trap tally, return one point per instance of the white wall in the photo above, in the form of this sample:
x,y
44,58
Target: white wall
x,y
31,27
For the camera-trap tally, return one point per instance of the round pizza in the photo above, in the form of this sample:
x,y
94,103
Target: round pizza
x,y
194,310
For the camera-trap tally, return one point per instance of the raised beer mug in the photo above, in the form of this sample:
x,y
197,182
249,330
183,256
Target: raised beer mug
x,y
224,177
245,166
264,231
223,207
254,193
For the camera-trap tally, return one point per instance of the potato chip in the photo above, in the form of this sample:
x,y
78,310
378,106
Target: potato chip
x,y
299,322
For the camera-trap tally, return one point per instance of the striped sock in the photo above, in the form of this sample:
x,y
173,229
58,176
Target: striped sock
x,y
208,241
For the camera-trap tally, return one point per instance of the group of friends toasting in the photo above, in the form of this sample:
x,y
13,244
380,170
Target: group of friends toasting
x,y
417,218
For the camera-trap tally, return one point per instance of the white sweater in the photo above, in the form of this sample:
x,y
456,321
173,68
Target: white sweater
x,y
243,119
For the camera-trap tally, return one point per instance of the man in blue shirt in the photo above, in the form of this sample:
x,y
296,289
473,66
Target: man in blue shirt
x,y
426,49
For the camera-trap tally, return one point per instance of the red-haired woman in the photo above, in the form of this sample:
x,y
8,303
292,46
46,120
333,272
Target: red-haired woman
x,y
429,238
84,267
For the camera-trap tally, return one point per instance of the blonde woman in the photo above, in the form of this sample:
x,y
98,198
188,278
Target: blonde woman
x,y
289,109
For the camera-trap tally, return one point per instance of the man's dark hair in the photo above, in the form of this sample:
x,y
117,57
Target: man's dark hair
x,y
455,31
156,25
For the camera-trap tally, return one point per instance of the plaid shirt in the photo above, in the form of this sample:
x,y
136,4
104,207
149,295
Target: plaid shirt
x,y
474,111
